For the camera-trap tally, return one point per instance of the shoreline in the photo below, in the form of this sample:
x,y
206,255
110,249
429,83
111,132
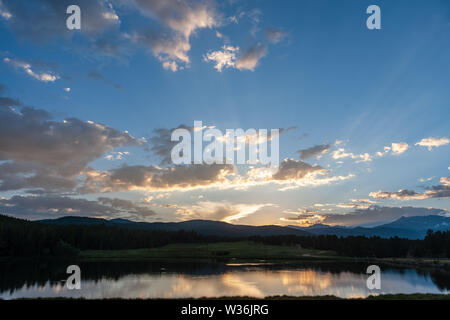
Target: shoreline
x,y
399,296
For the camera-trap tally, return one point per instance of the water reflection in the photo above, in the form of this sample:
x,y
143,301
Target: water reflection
x,y
181,280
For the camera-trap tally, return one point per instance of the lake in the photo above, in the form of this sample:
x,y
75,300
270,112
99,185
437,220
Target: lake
x,y
151,279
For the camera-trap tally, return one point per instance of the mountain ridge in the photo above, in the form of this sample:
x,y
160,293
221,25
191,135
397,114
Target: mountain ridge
x,y
405,227
414,227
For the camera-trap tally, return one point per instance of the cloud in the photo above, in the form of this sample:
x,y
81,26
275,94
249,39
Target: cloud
x,y
225,58
360,216
433,142
316,151
291,169
57,206
95,75
128,207
291,174
250,58
178,21
44,76
161,143
42,20
303,217
181,19
399,148
219,211
4,13
116,155
255,16
231,57
445,181
19,175
6,101
402,194
342,154
9,102
438,191
274,35
153,178
43,152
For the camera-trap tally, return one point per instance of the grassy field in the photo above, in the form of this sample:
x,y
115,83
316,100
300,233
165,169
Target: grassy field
x,y
248,251
226,250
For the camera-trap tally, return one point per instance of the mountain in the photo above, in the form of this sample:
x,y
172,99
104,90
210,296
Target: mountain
x,y
205,227
405,227
421,223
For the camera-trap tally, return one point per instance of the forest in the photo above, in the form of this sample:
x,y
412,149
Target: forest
x,y
25,238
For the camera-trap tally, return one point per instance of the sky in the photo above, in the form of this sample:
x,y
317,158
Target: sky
x,y
86,115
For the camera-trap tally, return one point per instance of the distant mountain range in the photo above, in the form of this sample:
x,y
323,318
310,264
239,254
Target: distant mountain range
x,y
405,227
205,227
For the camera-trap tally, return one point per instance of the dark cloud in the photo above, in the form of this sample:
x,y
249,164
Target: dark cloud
x,y
128,207
49,206
20,175
161,143
156,178
438,191
95,75
9,102
315,151
67,146
291,169
41,20
44,153
288,129
52,206
250,58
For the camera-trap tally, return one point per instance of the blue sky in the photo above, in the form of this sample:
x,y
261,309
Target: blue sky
x,y
138,66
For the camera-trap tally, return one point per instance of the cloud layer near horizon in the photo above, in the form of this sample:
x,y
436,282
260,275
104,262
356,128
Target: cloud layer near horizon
x,y
368,216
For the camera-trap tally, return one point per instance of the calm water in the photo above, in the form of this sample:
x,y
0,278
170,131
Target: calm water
x,y
187,279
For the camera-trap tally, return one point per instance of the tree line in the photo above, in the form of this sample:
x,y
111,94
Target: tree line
x,y
435,244
25,238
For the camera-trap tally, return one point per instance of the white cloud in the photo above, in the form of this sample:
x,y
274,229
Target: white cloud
x,y
225,58
223,211
399,148
342,154
230,57
4,13
116,155
26,66
433,142
438,191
